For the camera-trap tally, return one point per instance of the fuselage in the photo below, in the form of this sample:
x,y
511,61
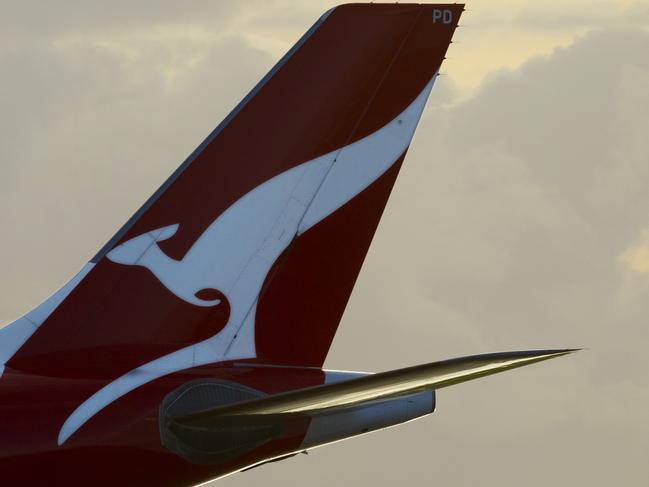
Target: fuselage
x,y
128,435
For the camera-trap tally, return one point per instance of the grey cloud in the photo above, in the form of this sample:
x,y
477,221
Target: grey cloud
x,y
602,13
284,14
567,131
46,20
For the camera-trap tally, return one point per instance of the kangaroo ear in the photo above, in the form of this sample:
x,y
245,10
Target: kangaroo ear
x,y
130,252
165,232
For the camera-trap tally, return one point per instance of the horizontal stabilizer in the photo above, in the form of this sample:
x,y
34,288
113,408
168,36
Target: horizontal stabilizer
x,y
380,386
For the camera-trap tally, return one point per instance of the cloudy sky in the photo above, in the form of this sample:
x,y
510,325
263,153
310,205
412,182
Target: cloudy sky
x,y
520,219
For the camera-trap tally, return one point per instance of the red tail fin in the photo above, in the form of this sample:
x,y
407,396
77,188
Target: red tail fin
x,y
252,247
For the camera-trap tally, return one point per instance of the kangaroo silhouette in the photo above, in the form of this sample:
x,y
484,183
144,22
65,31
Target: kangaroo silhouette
x,y
234,254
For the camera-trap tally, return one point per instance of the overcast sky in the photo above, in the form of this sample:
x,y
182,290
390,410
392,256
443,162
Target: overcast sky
x,y
520,219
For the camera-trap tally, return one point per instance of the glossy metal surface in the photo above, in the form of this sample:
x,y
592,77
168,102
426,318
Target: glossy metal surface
x,y
431,376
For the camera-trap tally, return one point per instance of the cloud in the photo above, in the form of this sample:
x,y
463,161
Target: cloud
x,y
503,34
505,231
110,123
34,22
559,16
636,258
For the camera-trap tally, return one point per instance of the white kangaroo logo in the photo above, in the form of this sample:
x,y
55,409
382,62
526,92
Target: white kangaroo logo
x,y
238,248
235,253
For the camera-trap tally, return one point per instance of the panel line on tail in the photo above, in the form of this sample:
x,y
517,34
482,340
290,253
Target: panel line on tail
x,y
302,227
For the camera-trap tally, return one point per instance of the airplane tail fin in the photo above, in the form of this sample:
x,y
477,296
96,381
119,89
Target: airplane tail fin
x,y
250,250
